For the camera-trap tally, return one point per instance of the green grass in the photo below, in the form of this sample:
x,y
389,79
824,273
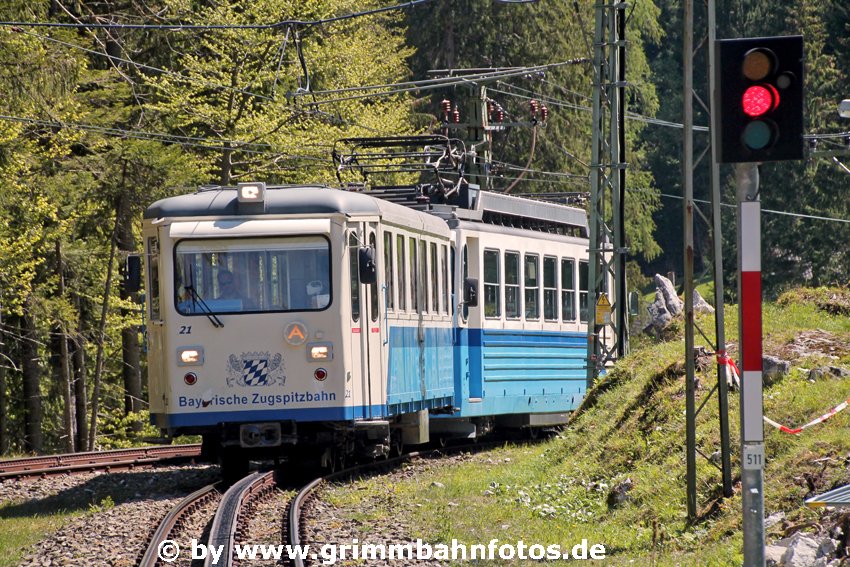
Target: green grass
x,y
556,492
26,526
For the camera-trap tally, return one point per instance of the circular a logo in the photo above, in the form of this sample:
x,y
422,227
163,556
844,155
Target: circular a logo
x,y
295,333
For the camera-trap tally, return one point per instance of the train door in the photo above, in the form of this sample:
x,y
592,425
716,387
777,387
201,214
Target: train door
x,y
470,267
365,387
374,346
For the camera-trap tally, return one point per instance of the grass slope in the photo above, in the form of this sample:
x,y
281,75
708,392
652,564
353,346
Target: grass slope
x,y
633,431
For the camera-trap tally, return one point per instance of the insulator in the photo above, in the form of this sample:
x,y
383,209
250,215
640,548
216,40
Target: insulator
x,y
456,115
535,106
544,112
491,109
500,114
446,106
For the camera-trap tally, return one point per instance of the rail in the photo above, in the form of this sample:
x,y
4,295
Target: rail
x,y
225,525
173,519
95,460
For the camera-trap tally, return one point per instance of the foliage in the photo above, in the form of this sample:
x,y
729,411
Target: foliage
x,y
633,428
484,34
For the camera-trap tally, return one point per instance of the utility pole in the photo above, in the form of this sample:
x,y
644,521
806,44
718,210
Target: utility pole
x,y
478,139
607,188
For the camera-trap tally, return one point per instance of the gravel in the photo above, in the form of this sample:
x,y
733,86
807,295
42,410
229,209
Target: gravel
x,y
120,508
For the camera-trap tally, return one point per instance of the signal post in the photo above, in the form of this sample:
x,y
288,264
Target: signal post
x,y
759,97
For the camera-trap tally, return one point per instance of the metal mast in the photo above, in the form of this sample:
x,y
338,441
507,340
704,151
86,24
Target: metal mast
x,y
688,165
608,336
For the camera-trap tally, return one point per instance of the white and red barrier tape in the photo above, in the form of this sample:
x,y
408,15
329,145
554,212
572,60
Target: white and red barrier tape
x,y
726,361
820,419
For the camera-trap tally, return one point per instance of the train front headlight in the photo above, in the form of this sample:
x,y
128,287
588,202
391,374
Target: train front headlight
x,y
190,356
320,352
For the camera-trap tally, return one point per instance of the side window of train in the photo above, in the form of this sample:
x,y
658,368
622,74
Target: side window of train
x,y
445,270
153,277
423,275
373,287
388,270
353,270
464,275
401,270
532,286
550,288
492,283
414,277
512,301
583,277
435,281
568,289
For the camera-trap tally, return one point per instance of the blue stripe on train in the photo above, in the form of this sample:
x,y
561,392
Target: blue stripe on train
x,y
419,374
519,371
304,414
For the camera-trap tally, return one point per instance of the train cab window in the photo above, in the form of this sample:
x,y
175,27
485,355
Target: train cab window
x,y
354,277
568,289
550,288
492,284
373,288
153,277
532,286
252,275
414,277
512,297
435,281
583,277
401,270
388,270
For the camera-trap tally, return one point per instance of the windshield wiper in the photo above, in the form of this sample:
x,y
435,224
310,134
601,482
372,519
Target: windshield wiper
x,y
204,307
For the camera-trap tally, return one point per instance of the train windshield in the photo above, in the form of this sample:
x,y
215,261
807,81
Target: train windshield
x,y
252,275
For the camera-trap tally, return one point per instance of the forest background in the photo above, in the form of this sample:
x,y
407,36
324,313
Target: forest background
x,y
99,121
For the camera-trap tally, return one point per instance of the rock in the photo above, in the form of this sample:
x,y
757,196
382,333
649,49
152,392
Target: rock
x,y
773,369
673,304
773,555
774,519
619,493
436,484
659,316
701,305
827,548
822,372
801,552
666,306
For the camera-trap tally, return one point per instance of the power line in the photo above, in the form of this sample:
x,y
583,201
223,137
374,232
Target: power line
x,y
771,211
208,27
143,66
431,84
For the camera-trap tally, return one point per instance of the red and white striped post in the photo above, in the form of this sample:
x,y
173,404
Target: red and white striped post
x,y
750,334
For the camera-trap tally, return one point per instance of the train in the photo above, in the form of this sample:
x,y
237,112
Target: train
x,y
315,323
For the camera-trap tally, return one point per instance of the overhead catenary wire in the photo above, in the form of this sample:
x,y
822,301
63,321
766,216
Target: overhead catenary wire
x,y
209,27
431,84
145,67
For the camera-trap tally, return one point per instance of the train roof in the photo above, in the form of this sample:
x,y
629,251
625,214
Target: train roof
x,y
291,200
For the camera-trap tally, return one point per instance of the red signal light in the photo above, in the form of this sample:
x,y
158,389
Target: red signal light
x,y
759,99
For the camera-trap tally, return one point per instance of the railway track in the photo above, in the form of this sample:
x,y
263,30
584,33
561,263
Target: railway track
x,y
229,525
174,520
118,459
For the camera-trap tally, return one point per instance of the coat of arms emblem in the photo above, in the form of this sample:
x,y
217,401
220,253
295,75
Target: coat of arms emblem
x,y
255,369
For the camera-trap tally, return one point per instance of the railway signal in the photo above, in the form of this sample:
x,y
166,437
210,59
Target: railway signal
x,y
759,82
